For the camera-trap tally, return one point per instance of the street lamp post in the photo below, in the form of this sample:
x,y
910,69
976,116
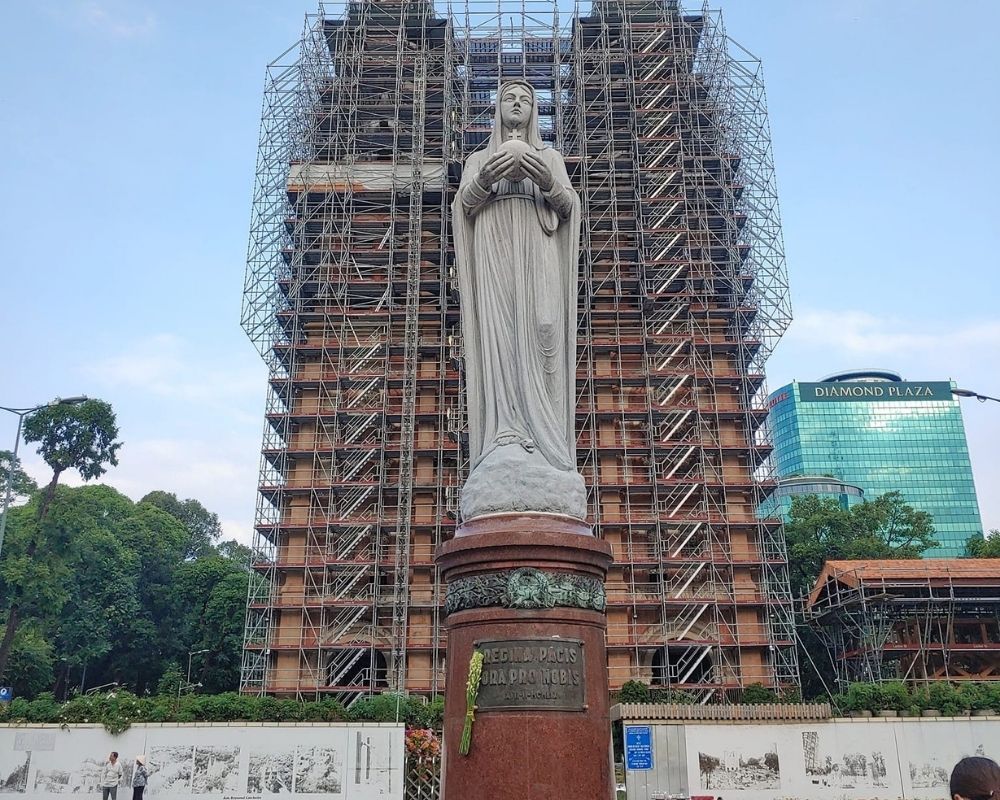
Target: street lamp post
x,y
188,685
21,414
982,398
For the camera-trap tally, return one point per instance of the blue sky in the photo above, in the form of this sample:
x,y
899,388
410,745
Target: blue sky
x,y
129,133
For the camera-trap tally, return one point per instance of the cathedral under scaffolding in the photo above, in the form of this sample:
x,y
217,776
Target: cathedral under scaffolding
x,y
351,297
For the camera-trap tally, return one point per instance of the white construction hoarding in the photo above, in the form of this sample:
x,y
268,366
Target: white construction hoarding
x,y
863,759
226,760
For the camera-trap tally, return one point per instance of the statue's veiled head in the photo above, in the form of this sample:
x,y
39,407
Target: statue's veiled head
x,y
517,101
516,115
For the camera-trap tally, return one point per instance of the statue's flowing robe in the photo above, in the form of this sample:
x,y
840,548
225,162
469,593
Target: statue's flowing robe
x,y
516,248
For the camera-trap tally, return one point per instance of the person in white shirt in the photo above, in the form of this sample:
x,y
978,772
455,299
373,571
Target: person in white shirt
x,y
111,776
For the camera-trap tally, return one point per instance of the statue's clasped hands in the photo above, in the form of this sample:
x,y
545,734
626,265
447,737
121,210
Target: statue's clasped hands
x,y
503,162
537,170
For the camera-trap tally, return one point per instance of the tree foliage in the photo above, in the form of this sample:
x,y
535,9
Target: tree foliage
x,y
31,662
111,591
234,551
21,485
819,530
988,547
634,692
114,597
757,694
203,527
81,437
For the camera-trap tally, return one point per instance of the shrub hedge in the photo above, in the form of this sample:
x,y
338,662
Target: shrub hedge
x,y
949,699
116,711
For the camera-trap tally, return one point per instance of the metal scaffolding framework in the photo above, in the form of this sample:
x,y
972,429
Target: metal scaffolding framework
x,y
916,621
352,299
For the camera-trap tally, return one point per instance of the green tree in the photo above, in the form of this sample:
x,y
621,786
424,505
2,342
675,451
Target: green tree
x,y
113,595
988,547
222,632
235,551
80,589
22,485
820,530
33,581
887,527
171,681
817,530
103,598
209,601
81,437
101,587
204,528
30,669
159,542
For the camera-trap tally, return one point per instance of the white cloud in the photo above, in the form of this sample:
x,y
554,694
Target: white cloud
x,y
821,341
121,20
169,367
190,418
220,474
238,529
862,333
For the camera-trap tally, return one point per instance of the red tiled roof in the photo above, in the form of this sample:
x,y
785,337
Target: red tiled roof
x,y
854,573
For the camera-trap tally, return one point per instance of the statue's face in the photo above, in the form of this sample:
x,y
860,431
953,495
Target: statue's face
x,y
515,106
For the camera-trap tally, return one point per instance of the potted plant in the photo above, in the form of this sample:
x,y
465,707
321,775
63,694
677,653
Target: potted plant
x,y
993,689
978,698
879,702
922,703
858,700
891,698
944,698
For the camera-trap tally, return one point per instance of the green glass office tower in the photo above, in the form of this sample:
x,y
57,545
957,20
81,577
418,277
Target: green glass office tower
x,y
880,433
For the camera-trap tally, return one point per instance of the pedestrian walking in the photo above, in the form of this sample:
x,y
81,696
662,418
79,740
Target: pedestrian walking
x,y
139,777
111,776
975,778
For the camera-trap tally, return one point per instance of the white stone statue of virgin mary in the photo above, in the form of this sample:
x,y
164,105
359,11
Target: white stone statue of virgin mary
x,y
516,222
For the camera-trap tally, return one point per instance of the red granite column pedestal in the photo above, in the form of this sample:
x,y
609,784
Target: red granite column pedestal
x,y
529,594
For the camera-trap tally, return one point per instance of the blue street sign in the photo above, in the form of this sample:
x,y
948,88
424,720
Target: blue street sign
x,y
638,747
6,694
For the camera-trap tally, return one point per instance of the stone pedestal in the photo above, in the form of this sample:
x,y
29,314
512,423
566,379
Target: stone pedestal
x,y
527,590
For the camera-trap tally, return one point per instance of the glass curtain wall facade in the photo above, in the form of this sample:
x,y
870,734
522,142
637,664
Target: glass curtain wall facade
x,y
881,436
779,504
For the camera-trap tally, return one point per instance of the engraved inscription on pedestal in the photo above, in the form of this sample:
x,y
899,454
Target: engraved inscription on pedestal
x,y
542,674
